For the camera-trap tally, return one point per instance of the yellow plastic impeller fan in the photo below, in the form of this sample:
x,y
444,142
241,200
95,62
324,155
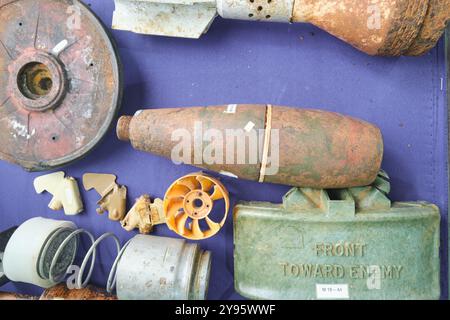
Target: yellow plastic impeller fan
x,y
191,199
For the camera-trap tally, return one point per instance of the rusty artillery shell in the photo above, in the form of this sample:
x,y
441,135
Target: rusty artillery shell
x,y
296,147
386,27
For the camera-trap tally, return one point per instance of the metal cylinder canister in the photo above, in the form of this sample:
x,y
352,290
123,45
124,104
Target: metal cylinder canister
x,y
156,268
297,147
29,252
262,10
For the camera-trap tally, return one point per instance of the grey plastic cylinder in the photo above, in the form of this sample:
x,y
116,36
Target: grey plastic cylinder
x,y
157,268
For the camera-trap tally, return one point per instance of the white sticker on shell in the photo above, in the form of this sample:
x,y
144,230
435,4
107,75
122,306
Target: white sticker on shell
x,y
249,127
231,108
332,291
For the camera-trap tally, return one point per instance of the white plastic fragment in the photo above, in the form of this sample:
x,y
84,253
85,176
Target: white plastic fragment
x,y
65,191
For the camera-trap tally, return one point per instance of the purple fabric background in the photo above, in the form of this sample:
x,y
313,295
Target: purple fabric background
x,y
240,62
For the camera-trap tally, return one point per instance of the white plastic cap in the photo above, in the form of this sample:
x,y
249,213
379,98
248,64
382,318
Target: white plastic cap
x,y
21,256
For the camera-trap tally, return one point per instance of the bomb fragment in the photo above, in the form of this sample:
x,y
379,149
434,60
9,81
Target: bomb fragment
x,y
296,147
385,27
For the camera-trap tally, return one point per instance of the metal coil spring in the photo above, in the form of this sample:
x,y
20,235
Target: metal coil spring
x,y
92,252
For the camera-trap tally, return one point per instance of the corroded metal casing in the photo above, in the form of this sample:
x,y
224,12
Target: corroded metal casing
x,y
382,27
61,292
305,148
60,82
385,27
156,268
347,244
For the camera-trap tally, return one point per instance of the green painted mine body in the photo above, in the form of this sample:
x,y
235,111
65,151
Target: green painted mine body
x,y
354,238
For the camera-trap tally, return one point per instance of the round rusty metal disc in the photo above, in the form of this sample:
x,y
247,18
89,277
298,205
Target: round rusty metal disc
x,y
60,82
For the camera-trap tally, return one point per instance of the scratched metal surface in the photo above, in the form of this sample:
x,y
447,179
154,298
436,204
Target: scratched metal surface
x,y
244,62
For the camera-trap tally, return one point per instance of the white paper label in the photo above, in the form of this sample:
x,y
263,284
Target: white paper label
x,y
60,47
231,108
249,127
332,291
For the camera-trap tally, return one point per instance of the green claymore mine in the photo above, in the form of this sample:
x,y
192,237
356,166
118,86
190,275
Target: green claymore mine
x,y
338,244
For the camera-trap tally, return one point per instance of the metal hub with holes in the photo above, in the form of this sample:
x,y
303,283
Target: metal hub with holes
x,y
198,204
192,199
60,82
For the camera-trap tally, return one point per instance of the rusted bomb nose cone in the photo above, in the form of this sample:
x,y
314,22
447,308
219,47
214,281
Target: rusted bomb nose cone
x,y
387,27
434,24
296,147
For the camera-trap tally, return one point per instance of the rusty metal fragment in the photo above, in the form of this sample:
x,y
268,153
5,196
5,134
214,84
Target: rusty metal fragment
x,y
60,82
65,191
433,27
144,215
385,27
114,197
61,292
314,148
